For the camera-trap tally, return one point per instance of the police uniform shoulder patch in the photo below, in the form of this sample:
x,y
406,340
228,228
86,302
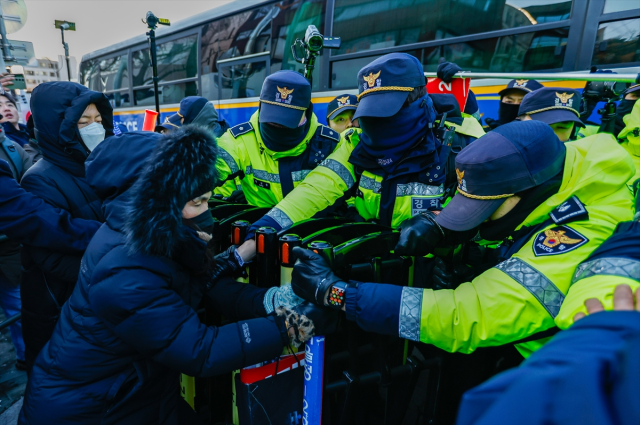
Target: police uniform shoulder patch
x,y
240,129
557,240
329,133
570,210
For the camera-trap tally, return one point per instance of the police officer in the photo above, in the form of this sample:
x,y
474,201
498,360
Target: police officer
x,y
340,111
551,203
557,107
276,149
195,110
629,137
510,97
394,165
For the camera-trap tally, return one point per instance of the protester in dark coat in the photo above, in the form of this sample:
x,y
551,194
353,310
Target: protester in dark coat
x,y
129,328
10,267
59,110
27,218
9,119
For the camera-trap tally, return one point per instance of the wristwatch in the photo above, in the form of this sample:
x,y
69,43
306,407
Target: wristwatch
x,y
337,295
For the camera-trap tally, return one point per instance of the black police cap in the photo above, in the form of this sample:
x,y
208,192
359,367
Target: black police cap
x,y
552,105
344,102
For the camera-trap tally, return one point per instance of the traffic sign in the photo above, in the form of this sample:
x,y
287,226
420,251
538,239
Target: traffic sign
x,y
72,25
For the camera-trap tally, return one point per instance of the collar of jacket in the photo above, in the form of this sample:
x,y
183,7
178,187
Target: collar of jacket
x,y
469,127
595,168
298,150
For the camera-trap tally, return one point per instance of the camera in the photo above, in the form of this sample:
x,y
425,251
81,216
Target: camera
x,y
603,91
306,51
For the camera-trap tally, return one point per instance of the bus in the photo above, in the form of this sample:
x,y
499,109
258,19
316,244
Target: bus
x,y
226,53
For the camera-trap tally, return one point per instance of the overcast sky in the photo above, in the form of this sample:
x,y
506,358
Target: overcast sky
x,y
99,23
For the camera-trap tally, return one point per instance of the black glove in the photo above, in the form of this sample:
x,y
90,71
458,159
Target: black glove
x,y
446,71
226,265
236,197
312,276
420,235
353,215
308,320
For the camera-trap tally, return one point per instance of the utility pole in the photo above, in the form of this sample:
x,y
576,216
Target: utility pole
x,y
152,22
69,26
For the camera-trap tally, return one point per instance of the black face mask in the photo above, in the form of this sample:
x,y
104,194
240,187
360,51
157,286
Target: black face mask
x,y
624,108
500,229
281,139
202,222
507,112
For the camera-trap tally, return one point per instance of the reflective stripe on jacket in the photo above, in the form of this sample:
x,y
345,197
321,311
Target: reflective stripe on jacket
x,y
336,176
267,176
523,295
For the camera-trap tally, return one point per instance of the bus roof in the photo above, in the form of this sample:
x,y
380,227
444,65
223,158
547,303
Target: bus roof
x,y
193,21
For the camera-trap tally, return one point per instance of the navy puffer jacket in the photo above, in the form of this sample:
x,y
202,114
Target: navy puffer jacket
x,y
129,330
59,178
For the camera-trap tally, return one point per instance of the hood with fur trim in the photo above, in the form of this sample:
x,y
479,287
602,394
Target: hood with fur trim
x,y
146,178
181,168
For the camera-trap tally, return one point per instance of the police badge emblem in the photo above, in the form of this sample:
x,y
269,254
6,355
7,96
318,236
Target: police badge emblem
x,y
284,95
557,240
371,80
564,99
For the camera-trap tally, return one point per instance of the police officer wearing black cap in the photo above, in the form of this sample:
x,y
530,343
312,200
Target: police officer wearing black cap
x,y
558,107
340,111
510,97
550,203
276,149
195,110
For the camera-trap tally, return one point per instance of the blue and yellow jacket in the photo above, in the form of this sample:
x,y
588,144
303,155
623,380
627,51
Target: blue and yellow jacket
x,y
525,294
336,176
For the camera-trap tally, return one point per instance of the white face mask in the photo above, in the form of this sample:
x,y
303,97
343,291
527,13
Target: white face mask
x,y
92,135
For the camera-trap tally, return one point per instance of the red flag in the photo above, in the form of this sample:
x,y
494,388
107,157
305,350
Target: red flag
x,y
459,87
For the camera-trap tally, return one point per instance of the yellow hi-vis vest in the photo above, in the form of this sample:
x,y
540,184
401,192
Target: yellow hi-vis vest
x,y
243,155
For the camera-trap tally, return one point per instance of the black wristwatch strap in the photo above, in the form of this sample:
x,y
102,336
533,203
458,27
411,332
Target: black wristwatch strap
x,y
337,295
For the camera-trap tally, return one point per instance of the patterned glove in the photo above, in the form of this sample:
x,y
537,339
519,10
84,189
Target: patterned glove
x,y
308,320
282,296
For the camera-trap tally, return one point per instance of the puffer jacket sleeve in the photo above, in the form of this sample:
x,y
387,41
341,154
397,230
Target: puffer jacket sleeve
x,y
585,375
28,219
59,264
62,266
140,308
237,300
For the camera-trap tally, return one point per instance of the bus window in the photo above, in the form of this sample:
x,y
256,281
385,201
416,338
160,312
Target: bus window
x,y
290,24
177,60
271,29
369,25
246,33
617,42
611,6
168,93
113,74
540,50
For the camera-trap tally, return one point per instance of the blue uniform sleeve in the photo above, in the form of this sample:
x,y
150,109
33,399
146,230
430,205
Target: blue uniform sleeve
x,y
29,220
587,374
375,307
265,221
237,300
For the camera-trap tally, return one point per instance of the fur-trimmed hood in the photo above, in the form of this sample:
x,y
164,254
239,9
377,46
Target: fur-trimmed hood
x,y
145,180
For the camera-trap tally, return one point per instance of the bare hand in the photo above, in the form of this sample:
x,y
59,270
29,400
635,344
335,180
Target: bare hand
x,y
623,300
6,79
247,250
